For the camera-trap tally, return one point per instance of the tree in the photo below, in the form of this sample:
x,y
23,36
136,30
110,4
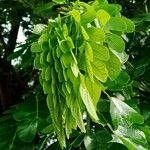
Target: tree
x,y
29,121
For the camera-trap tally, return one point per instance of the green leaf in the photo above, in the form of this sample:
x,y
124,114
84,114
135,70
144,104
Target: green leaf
x,y
103,17
43,38
89,15
87,100
68,87
70,42
115,42
130,25
119,83
50,105
123,78
65,30
9,138
49,57
123,57
116,24
112,9
95,34
87,142
89,52
36,62
59,1
118,146
24,110
43,58
84,33
72,75
89,69
70,123
99,51
133,139
27,130
39,28
44,8
67,59
113,66
97,141
146,130
75,14
64,46
48,73
35,47
46,45
57,66
48,129
122,114
46,87
74,69
77,142
100,70
94,90
103,106
15,54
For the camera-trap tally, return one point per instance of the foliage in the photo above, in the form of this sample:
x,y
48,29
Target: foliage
x,y
95,98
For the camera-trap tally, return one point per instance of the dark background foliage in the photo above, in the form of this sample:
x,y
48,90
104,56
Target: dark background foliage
x,y
19,85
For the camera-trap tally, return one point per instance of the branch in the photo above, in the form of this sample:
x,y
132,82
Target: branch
x,y
3,42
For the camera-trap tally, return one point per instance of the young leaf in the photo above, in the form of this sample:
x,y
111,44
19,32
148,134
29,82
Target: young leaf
x,y
99,51
113,66
74,69
100,70
89,69
75,14
87,100
103,17
89,52
94,90
96,34
43,38
70,42
84,33
89,15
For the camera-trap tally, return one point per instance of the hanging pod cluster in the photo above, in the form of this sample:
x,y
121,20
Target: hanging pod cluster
x,y
76,54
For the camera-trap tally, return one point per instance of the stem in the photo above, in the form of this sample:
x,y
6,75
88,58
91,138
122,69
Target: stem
x,y
37,108
146,8
109,126
88,124
14,137
109,97
42,145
